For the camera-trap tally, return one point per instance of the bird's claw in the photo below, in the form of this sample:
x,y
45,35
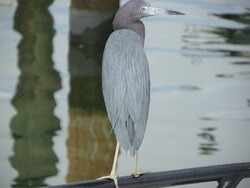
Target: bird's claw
x,y
112,177
139,173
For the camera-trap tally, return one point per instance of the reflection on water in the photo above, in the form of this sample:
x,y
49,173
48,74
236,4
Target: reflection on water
x,y
8,3
90,145
213,39
175,88
214,88
208,145
242,74
236,36
232,35
241,63
34,125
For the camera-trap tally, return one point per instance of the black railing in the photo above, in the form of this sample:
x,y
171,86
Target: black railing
x,y
227,176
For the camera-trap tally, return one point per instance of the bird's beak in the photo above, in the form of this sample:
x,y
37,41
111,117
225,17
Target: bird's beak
x,y
152,11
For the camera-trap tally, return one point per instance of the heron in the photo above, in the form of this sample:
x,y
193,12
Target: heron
x,y
126,78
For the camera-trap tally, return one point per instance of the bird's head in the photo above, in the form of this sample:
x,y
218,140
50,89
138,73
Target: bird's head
x,y
137,9
128,16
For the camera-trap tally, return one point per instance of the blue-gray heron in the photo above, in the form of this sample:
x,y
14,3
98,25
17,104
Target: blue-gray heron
x,y
125,77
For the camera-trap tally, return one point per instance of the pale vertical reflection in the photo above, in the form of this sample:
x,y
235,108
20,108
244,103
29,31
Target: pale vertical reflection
x,y
90,145
34,125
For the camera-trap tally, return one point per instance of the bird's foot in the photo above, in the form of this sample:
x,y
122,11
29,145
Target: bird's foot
x,y
138,173
113,177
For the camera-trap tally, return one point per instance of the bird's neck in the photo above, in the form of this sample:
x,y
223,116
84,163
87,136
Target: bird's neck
x,y
136,26
139,28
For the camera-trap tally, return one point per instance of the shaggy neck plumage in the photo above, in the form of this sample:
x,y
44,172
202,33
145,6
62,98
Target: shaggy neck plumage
x,y
135,25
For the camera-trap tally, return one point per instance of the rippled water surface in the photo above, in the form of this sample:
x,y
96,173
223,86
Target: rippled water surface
x,y
53,123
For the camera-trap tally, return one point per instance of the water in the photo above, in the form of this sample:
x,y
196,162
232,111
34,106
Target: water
x,y
54,128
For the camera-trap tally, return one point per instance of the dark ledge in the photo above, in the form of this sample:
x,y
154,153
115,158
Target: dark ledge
x,y
227,176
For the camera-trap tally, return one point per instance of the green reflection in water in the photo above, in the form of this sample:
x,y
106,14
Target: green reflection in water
x,y
90,145
239,37
235,36
210,40
208,145
34,125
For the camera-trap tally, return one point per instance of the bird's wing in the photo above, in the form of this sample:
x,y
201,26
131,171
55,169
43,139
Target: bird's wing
x,y
126,86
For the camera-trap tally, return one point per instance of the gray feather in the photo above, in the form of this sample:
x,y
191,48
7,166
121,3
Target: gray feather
x,y
126,87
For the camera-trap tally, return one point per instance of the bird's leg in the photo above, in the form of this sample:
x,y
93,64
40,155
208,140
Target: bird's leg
x,y
114,166
138,170
113,175
137,165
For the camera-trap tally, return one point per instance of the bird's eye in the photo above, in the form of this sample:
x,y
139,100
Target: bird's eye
x,y
143,8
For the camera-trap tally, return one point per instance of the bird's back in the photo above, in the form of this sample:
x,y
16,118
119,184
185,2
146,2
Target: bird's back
x,y
126,87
